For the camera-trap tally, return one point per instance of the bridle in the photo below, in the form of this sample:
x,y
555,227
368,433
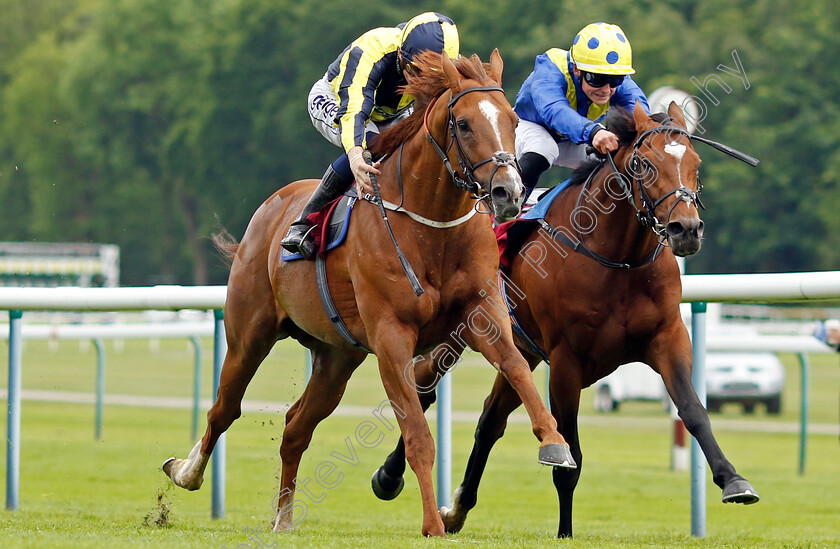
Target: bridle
x,y
467,182
647,213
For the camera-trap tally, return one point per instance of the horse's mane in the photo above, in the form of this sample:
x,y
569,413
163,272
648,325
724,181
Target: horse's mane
x,y
425,85
619,121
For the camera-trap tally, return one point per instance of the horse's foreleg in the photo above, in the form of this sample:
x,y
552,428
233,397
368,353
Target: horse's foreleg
x,y
331,368
490,334
189,473
387,481
491,426
565,402
394,354
675,368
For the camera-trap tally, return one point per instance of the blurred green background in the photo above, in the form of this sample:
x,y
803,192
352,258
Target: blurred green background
x,y
149,123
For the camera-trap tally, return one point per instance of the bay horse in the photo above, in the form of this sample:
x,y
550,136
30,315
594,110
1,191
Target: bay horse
x,y
461,118
616,301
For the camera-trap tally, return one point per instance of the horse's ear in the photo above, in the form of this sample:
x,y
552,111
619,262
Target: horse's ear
x,y
676,114
453,77
496,66
640,117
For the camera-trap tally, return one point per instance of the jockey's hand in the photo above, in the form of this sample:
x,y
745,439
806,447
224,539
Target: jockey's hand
x,y
361,169
604,141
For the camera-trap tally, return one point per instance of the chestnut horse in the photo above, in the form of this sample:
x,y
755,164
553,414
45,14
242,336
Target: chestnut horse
x,y
616,301
461,118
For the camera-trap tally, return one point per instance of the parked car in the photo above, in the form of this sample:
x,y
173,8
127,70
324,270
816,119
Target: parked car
x,y
633,381
745,378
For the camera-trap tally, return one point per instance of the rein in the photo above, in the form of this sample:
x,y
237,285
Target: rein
x,y
409,272
416,217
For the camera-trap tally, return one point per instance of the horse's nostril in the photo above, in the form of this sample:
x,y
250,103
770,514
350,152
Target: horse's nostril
x,y
500,194
675,228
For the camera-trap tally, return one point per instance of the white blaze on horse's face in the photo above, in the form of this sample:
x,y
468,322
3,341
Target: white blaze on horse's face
x,y
491,112
677,150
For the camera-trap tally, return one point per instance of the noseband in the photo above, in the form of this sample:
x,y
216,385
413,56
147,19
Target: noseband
x,y
468,181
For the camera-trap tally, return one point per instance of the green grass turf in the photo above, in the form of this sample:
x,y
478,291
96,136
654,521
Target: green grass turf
x,y
77,492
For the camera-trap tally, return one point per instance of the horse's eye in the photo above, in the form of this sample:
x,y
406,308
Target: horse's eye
x,y
463,126
641,166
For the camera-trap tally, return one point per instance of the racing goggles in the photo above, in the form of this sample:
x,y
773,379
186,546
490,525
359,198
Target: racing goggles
x,y
600,80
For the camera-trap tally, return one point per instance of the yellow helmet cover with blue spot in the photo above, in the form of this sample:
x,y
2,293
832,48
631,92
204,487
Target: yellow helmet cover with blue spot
x,y
602,48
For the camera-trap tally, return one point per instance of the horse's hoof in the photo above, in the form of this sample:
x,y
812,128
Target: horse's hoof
x,y
385,486
739,490
167,466
174,469
557,455
282,526
453,522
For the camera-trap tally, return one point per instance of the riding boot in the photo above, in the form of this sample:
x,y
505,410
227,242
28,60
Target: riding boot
x,y
299,239
532,166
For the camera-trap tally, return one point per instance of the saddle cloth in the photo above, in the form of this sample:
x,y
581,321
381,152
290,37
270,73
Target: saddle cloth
x,y
335,216
511,234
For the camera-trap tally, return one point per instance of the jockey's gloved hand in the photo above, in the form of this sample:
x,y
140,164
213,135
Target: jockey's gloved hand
x,y
604,140
361,169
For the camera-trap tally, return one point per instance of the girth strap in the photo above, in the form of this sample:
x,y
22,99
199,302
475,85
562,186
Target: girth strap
x,y
329,306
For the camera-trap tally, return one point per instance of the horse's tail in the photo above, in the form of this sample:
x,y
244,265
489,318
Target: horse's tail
x,y
226,244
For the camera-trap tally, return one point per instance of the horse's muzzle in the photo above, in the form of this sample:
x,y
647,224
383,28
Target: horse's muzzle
x,y
685,236
506,205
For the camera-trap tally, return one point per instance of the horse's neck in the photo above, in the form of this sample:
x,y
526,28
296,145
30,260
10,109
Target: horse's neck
x,y
427,187
605,224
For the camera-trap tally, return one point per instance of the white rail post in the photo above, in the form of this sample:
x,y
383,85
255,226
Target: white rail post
x,y
196,343
698,460
100,387
13,417
219,452
805,380
444,441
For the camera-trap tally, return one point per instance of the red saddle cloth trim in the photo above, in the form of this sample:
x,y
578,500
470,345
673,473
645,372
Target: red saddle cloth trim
x,y
502,240
319,221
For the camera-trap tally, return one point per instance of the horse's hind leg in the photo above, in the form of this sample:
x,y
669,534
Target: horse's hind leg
x,y
331,368
675,368
250,332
